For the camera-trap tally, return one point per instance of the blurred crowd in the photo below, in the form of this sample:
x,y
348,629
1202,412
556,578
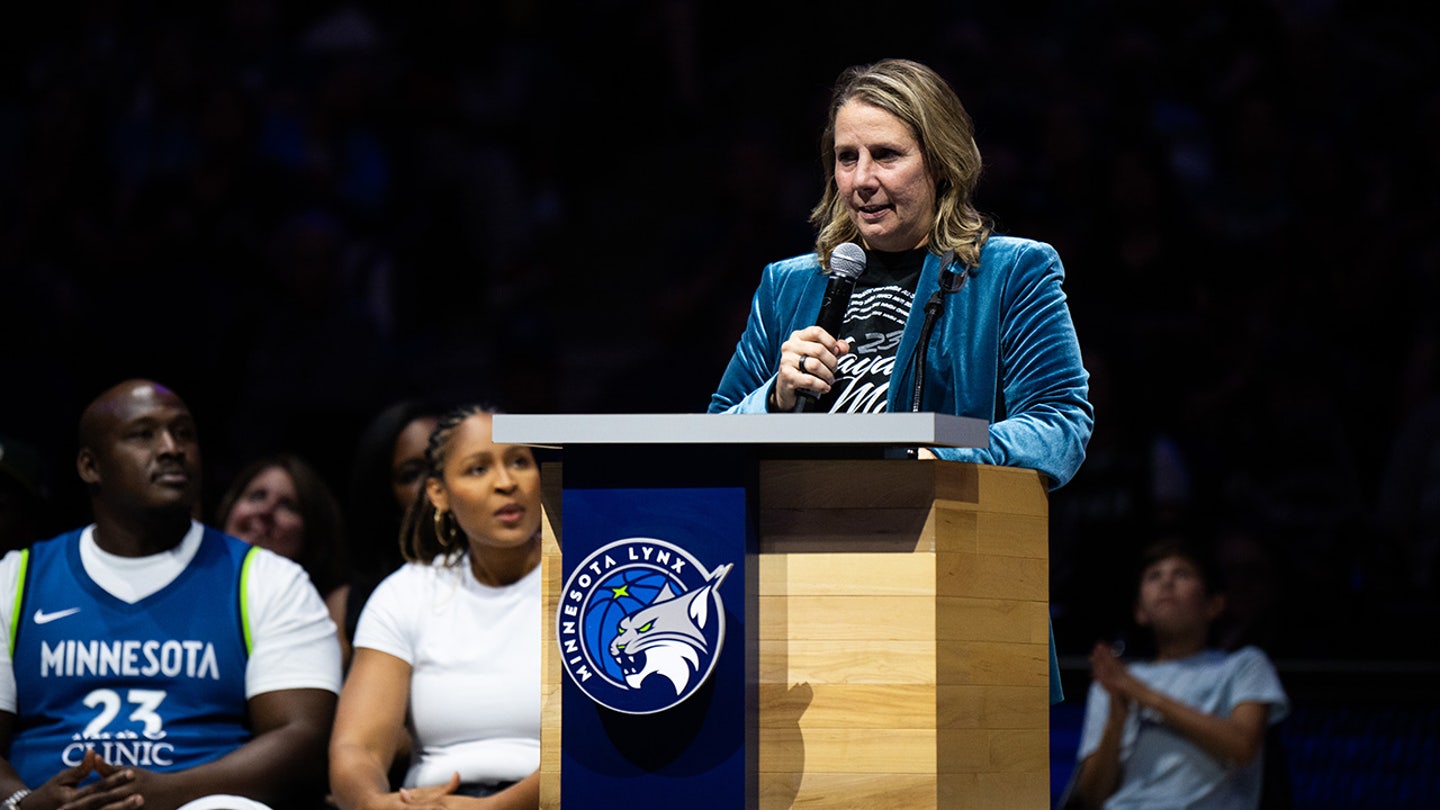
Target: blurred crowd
x,y
296,214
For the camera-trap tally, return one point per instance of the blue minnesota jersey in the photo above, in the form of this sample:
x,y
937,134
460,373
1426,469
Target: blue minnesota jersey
x,y
158,684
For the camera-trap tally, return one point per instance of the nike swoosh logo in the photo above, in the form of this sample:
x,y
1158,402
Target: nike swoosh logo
x,y
41,617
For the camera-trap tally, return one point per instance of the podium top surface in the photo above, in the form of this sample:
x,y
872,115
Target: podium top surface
x,y
898,429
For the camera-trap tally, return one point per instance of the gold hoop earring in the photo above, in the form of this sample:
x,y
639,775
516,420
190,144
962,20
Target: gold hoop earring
x,y
444,531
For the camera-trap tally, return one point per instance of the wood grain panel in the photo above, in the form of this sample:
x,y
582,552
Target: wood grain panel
x,y
824,618
846,484
997,791
1007,490
955,529
854,574
978,750
993,576
847,661
551,586
960,618
847,705
551,489
994,707
846,791
1012,535
850,751
993,663
962,483
787,529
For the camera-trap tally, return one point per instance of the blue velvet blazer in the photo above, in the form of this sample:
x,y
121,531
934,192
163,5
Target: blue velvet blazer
x,y
1003,350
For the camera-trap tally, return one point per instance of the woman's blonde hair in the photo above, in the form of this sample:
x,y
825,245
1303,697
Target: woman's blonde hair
x,y
918,96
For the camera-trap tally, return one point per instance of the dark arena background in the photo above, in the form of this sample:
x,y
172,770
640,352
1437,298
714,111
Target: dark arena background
x,y
295,213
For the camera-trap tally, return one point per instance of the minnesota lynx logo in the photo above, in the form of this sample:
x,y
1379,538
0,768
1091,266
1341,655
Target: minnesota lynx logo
x,y
641,624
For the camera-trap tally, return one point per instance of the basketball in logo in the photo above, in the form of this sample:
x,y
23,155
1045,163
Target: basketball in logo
x,y
641,624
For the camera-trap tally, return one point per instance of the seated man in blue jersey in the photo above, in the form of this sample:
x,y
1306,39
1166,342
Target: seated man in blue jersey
x,y
152,660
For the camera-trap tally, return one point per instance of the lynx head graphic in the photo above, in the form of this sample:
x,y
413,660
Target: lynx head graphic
x,y
666,636
637,607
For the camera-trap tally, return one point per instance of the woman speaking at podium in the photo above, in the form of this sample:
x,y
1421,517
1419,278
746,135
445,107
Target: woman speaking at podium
x,y
992,337
999,344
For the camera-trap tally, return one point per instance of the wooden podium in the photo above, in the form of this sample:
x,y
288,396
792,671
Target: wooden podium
x,y
896,639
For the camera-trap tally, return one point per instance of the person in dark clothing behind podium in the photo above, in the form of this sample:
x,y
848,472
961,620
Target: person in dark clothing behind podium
x,y
902,167
386,477
152,660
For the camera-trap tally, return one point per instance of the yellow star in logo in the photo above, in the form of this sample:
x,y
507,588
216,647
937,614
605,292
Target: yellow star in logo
x,y
623,590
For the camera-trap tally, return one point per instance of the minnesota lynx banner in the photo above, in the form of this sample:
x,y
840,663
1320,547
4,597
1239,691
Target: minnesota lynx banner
x,y
651,633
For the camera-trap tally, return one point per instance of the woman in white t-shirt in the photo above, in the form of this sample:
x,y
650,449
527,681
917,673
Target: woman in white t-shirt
x,y
449,645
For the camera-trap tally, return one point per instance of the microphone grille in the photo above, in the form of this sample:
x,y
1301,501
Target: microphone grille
x,y
847,260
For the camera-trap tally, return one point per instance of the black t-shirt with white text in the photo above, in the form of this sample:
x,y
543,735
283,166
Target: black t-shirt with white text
x,y
874,322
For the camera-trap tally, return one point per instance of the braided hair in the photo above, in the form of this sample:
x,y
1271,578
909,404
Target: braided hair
x,y
426,534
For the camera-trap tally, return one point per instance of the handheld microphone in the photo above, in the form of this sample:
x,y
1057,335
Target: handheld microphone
x,y
847,263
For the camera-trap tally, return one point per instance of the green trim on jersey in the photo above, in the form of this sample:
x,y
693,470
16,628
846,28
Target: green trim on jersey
x,y
19,599
245,599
